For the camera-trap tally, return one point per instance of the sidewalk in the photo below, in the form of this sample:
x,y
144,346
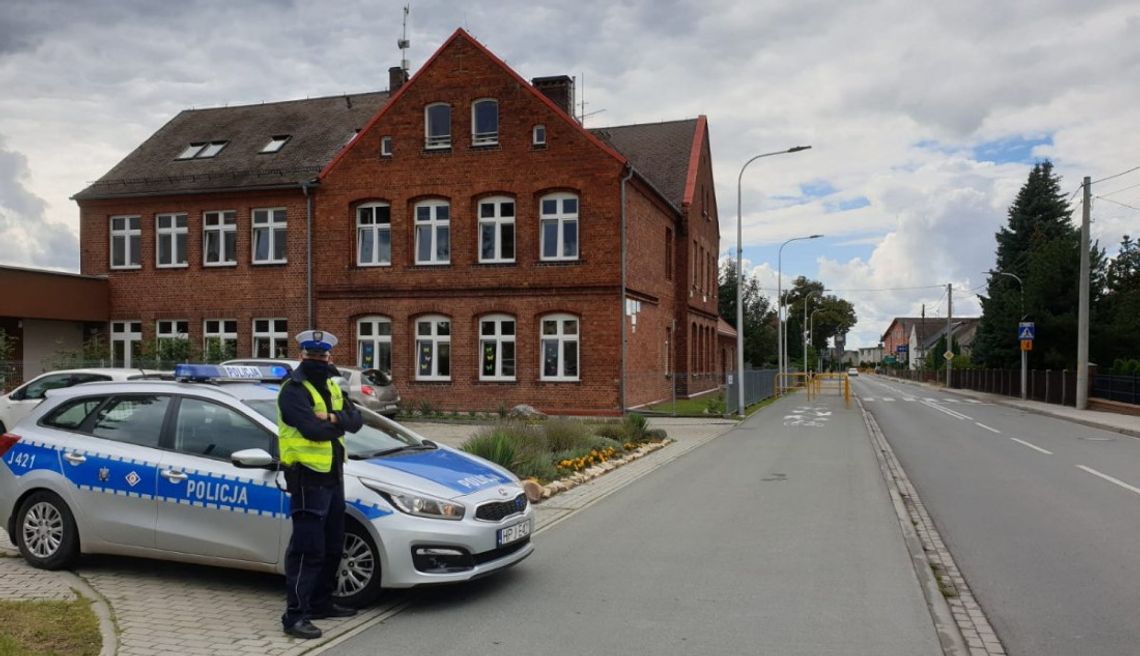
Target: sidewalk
x,y
171,608
1110,421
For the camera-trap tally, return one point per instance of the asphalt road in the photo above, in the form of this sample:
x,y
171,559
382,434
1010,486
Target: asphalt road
x,y
1041,515
776,538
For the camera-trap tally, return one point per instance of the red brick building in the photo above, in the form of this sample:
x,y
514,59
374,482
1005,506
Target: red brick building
x,y
466,232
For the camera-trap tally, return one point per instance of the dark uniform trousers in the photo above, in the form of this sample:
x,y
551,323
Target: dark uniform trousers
x,y
315,550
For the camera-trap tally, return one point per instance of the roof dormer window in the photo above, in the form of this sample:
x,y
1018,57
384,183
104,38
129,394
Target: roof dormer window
x,y
202,150
276,143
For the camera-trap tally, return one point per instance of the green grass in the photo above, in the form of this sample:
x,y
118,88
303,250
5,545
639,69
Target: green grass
x,y
682,406
49,628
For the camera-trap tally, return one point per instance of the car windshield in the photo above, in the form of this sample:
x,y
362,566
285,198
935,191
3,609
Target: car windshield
x,y
378,436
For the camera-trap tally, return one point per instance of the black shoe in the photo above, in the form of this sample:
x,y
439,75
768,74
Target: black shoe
x,y
304,630
332,610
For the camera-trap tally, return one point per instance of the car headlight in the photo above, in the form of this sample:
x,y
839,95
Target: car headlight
x,y
420,505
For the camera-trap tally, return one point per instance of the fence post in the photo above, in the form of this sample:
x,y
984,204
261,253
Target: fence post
x,y
1064,385
1048,375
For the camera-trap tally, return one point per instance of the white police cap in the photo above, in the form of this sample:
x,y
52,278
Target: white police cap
x,y
316,340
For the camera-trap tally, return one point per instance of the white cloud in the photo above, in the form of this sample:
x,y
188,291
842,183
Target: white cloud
x,y
863,83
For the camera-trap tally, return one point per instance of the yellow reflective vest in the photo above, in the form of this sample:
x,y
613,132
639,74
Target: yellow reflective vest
x,y
293,446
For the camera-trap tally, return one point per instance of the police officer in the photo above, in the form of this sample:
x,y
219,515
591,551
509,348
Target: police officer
x,y
312,418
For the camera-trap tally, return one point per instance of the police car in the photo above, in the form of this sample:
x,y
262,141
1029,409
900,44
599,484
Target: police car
x,y
185,470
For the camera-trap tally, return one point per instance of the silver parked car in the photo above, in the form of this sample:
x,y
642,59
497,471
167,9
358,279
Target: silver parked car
x,y
20,401
369,388
185,470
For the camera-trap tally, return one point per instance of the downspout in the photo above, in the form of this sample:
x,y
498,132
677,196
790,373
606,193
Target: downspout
x,y
305,186
621,387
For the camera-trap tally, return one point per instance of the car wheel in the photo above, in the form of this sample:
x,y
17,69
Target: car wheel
x,y
358,577
45,532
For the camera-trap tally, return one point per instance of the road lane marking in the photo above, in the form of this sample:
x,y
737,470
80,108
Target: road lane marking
x,y
1032,446
949,400
887,398
956,415
1110,479
868,398
908,398
992,430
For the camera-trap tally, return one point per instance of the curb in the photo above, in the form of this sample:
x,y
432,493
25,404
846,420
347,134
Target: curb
x,y
950,636
102,609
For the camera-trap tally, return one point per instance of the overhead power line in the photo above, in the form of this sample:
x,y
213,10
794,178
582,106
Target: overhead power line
x,y
1115,202
1113,193
1134,168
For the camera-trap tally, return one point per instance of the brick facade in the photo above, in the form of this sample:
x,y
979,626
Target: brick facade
x,y
663,242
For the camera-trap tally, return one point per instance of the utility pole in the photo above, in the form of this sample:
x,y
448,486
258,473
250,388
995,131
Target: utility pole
x,y
922,336
949,337
1083,312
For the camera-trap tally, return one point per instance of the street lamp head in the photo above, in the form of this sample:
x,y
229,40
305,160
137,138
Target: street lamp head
x,y
796,149
815,236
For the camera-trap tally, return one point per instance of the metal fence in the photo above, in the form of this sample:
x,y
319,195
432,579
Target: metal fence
x,y
1116,387
759,384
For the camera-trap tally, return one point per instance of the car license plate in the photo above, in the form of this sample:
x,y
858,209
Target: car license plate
x,y
514,533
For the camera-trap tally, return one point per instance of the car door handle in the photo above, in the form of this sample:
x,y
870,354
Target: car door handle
x,y
174,476
75,458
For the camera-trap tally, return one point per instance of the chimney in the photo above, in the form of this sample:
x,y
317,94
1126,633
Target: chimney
x,y
560,89
397,76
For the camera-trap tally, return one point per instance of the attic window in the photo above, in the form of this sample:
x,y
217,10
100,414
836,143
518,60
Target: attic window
x,y
276,143
202,150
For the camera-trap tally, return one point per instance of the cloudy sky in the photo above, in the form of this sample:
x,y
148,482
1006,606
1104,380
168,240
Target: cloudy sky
x,y
924,117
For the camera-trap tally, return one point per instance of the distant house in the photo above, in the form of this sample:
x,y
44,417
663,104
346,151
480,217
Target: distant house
x,y
465,231
963,331
899,333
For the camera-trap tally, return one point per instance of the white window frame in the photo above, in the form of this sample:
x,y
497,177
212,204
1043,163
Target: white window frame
x,y
484,138
433,340
434,227
385,146
275,219
130,333
375,229
440,141
277,333
561,337
276,143
227,225
561,219
132,257
375,338
171,234
496,340
171,330
534,138
496,222
202,150
221,331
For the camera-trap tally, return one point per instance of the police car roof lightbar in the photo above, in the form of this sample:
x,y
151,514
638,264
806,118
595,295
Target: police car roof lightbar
x,y
218,373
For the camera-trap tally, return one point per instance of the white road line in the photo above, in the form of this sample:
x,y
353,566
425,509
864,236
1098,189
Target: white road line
x,y
992,430
908,398
1032,446
949,400
1110,479
887,398
956,415
869,398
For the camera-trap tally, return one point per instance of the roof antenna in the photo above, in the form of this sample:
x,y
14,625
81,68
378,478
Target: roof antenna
x,y
402,43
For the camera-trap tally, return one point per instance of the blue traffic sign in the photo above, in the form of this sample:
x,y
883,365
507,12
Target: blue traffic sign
x,y
1026,330
901,348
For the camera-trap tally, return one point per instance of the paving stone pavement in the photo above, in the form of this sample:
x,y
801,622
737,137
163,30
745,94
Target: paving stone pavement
x,y
167,609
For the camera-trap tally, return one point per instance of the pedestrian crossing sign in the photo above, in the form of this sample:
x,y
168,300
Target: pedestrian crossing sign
x,y
1026,330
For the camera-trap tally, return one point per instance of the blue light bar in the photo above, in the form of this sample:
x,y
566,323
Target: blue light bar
x,y
217,372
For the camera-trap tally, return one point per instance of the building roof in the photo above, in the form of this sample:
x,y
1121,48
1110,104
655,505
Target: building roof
x,y
659,151
959,327
44,294
318,128
725,328
928,325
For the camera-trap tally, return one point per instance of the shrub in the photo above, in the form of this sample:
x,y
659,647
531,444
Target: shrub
x,y
426,408
714,405
499,448
614,430
635,426
564,434
656,434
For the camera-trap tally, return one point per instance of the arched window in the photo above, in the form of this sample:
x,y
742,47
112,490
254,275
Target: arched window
x,y
497,230
374,343
373,234
559,226
437,126
433,232
497,347
433,348
485,122
559,347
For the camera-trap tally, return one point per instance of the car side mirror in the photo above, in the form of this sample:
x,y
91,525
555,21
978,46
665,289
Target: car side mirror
x,y
253,459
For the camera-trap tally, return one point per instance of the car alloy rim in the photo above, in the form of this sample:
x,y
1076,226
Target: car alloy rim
x,y
43,530
357,566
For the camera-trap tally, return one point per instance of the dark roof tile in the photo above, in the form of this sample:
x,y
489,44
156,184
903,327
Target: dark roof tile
x,y
659,152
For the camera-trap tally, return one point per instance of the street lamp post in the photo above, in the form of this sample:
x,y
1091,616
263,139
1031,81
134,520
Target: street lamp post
x,y
1024,353
811,331
805,327
781,331
740,277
